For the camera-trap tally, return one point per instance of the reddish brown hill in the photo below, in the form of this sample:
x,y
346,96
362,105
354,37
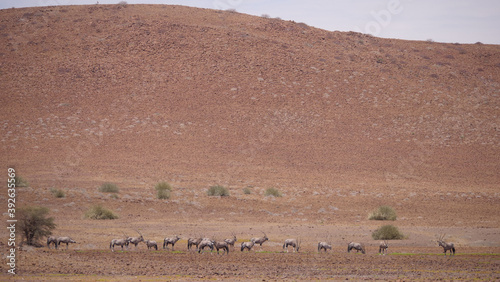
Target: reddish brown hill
x,y
136,94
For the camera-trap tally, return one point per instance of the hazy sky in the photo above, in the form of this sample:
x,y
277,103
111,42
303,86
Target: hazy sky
x,y
463,21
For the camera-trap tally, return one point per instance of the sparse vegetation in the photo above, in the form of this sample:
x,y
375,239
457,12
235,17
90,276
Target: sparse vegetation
x,y
273,192
109,188
247,191
100,212
387,232
21,182
163,190
58,193
383,213
34,224
266,16
218,190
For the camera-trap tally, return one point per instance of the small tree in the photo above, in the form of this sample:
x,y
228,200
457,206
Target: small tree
x,y
34,223
383,213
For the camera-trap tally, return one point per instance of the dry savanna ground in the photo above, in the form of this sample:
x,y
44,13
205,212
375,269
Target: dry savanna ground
x,y
339,123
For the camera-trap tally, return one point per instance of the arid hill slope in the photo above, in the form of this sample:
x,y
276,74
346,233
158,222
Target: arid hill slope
x,y
140,93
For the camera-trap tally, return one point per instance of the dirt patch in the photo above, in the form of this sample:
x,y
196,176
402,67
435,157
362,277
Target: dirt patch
x,y
61,265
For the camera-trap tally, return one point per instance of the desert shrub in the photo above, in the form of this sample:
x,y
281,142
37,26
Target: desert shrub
x,y
113,196
217,190
34,223
163,194
21,182
273,192
247,191
387,232
100,212
58,193
163,186
109,188
163,190
383,213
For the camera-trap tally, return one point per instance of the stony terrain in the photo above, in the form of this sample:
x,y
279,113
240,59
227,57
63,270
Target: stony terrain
x,y
340,123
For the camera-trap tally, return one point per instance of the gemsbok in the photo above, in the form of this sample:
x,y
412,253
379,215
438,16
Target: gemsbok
x,y
222,245
206,242
382,249
66,240
194,241
324,246
247,245
260,240
151,244
231,241
357,246
446,246
292,242
118,242
51,240
170,241
135,240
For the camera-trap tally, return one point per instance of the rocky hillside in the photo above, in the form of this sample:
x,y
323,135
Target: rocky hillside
x,y
140,93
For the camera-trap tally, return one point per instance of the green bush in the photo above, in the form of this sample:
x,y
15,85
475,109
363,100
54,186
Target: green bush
x,y
163,190
387,232
109,188
34,223
58,193
273,192
383,213
218,190
247,191
99,212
